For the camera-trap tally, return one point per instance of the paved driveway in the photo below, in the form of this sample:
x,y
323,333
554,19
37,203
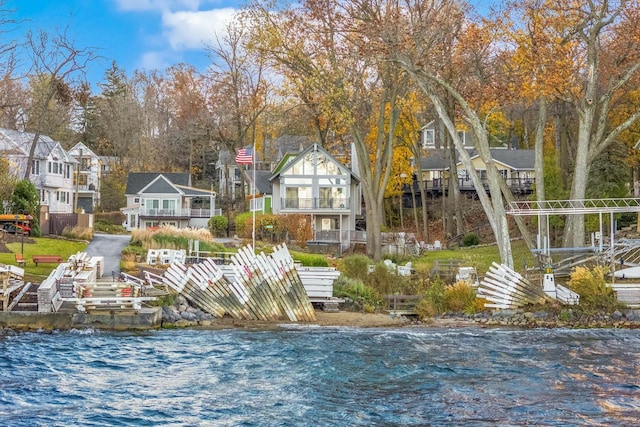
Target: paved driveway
x,y
110,247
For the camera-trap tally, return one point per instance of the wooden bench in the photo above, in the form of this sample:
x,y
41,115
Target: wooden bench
x,y
20,260
49,259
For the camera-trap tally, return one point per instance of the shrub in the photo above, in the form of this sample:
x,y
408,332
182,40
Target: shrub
x,y
218,225
243,224
310,260
565,315
425,308
461,297
107,227
345,287
296,227
590,284
356,266
78,233
134,250
113,218
384,281
435,295
470,239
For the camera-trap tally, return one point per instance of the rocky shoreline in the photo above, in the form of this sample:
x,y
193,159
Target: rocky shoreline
x,y
623,318
181,314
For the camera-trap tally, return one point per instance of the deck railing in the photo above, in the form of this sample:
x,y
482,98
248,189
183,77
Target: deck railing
x,y
465,184
315,203
186,213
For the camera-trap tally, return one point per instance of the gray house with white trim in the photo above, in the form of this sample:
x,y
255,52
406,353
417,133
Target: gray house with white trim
x,y
156,199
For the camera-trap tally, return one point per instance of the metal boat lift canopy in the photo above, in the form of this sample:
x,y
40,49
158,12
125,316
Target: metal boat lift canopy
x,y
573,207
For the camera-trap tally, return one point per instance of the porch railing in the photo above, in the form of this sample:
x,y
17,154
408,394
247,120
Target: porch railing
x,y
316,203
515,184
185,213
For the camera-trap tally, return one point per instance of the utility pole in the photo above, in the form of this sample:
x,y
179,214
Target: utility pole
x,y
75,204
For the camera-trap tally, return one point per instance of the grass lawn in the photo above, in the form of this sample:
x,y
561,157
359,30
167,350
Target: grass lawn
x,y
478,257
42,246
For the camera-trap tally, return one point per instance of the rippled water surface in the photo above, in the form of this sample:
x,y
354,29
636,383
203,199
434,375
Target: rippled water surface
x,y
321,376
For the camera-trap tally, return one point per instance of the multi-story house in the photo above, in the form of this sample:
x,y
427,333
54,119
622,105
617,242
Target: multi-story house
x,y
88,177
156,199
52,168
314,183
229,174
431,141
516,166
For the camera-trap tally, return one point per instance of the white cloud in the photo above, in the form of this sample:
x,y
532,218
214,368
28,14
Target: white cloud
x,y
193,30
154,61
161,5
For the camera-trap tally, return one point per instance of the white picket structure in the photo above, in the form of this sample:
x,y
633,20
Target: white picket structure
x,y
255,287
506,289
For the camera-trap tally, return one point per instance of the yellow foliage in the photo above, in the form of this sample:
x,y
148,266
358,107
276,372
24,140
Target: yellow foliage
x,y
460,297
590,284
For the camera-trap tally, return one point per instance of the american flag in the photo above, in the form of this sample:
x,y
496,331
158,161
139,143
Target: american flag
x,y
244,156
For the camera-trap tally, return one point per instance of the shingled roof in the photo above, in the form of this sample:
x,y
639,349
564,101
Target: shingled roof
x,y
13,142
136,181
515,159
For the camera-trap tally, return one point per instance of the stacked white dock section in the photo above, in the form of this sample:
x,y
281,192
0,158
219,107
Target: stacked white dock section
x,y
627,293
49,298
76,282
567,296
504,288
253,287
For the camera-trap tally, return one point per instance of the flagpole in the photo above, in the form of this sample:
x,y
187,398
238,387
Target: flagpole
x,y
253,194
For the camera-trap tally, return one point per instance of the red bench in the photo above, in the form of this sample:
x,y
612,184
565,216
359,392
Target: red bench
x,y
50,259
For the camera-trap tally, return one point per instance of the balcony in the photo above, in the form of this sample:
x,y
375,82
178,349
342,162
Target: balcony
x,y
316,203
178,213
327,236
516,185
56,181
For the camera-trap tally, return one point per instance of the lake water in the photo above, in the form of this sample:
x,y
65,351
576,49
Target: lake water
x,y
321,376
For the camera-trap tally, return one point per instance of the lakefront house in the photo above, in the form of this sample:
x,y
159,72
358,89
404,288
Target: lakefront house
x,y
157,199
315,183
52,168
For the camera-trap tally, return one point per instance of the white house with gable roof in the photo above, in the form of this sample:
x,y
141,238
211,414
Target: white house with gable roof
x,y
52,168
157,199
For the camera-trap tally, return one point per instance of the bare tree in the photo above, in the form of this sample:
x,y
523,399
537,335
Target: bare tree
x,y
54,60
238,89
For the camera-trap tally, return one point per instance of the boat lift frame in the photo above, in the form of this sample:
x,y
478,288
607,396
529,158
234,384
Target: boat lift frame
x,y
545,208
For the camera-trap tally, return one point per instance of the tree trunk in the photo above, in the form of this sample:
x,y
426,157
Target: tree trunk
x,y
574,234
415,208
494,206
425,213
375,215
539,164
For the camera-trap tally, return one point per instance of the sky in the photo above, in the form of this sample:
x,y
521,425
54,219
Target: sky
x,y
137,34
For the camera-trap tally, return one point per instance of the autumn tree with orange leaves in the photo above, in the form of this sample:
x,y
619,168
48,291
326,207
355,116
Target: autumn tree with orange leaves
x,y
320,46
